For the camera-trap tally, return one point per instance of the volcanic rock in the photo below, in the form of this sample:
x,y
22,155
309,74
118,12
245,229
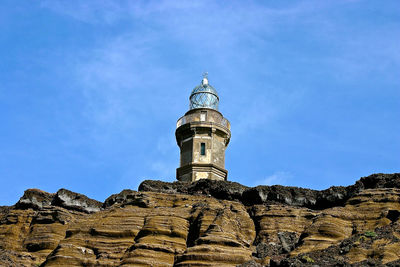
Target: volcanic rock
x,y
71,200
207,223
35,199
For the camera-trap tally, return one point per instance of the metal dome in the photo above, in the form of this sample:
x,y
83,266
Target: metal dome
x,y
204,96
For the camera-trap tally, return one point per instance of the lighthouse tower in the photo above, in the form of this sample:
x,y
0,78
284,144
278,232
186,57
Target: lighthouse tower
x,y
202,135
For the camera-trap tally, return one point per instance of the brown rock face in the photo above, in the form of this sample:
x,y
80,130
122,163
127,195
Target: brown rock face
x,y
207,223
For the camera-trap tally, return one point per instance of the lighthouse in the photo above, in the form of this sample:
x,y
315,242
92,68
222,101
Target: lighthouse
x,y
202,135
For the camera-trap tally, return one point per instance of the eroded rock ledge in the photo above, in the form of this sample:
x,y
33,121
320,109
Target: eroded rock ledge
x,y
207,223
38,199
276,194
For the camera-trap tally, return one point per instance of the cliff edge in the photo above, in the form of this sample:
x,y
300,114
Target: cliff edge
x,y
207,223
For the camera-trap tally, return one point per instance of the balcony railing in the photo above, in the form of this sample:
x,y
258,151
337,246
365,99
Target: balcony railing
x,y
196,118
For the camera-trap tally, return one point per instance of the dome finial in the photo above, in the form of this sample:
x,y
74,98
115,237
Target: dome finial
x,y
205,78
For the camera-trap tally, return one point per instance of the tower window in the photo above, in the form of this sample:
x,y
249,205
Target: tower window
x,y
203,149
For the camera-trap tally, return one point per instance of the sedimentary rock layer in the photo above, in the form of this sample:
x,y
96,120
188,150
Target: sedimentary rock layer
x,y
207,223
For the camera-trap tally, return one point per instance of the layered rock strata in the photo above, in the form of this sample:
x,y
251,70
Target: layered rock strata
x,y
207,223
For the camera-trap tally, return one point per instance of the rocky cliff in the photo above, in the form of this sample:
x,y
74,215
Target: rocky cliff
x,y
207,223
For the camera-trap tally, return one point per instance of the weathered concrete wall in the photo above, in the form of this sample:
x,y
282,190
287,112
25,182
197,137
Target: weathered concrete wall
x,y
187,151
212,116
218,150
197,140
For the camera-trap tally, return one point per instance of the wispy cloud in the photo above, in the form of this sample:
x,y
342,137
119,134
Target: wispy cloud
x,y
127,72
115,79
277,178
144,70
102,11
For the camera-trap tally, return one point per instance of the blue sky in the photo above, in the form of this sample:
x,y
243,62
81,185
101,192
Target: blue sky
x,y
90,91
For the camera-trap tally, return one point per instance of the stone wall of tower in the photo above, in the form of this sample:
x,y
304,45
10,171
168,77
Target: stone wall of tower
x,y
186,151
208,127
218,150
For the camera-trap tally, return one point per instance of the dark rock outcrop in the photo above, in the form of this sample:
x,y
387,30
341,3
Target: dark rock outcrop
x,y
219,189
379,180
287,195
127,197
74,201
37,199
